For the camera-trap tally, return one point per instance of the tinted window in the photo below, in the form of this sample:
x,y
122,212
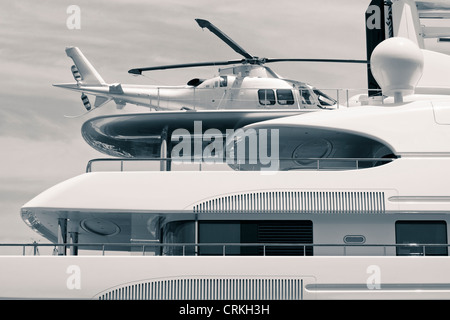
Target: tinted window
x,y
277,233
421,233
218,232
266,97
178,232
324,99
285,96
223,81
291,233
306,96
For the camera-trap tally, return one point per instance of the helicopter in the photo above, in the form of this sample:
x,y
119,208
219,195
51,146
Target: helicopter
x,y
246,84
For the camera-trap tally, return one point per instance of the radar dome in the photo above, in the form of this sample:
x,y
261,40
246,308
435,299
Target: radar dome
x,y
397,66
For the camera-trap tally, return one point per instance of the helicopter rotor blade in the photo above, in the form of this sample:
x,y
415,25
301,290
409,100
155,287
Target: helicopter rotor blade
x,y
208,25
139,71
317,60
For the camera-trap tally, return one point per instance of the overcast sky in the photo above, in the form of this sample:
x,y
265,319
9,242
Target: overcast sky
x,y
41,147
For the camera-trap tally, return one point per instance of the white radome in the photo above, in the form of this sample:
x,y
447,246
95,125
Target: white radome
x,y
397,65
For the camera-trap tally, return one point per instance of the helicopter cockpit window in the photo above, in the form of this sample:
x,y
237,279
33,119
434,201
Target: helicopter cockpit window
x,y
266,97
306,96
223,81
324,99
285,96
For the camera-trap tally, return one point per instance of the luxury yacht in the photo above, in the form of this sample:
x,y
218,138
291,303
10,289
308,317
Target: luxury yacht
x,y
350,203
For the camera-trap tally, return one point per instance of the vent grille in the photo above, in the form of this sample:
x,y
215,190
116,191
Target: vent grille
x,y
296,201
210,289
286,232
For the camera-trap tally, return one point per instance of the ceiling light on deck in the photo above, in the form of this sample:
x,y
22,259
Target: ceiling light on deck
x,y
100,227
312,149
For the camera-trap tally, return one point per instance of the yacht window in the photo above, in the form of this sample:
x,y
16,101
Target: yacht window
x,y
306,96
220,233
277,233
291,233
418,234
266,97
285,97
230,238
178,232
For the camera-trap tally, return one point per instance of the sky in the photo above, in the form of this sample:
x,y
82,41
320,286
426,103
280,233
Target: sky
x,y
41,146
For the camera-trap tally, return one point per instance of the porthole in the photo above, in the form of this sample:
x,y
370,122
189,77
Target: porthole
x,y
354,239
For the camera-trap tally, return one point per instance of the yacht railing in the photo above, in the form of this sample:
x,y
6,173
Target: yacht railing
x,y
301,98
215,164
226,249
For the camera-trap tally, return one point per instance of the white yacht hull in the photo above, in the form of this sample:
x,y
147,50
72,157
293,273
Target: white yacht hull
x,y
224,278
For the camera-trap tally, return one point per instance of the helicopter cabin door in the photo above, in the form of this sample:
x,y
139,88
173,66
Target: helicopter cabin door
x,y
218,97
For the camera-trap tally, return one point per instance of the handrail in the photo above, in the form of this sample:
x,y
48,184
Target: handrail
x,y
144,245
314,163
341,96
